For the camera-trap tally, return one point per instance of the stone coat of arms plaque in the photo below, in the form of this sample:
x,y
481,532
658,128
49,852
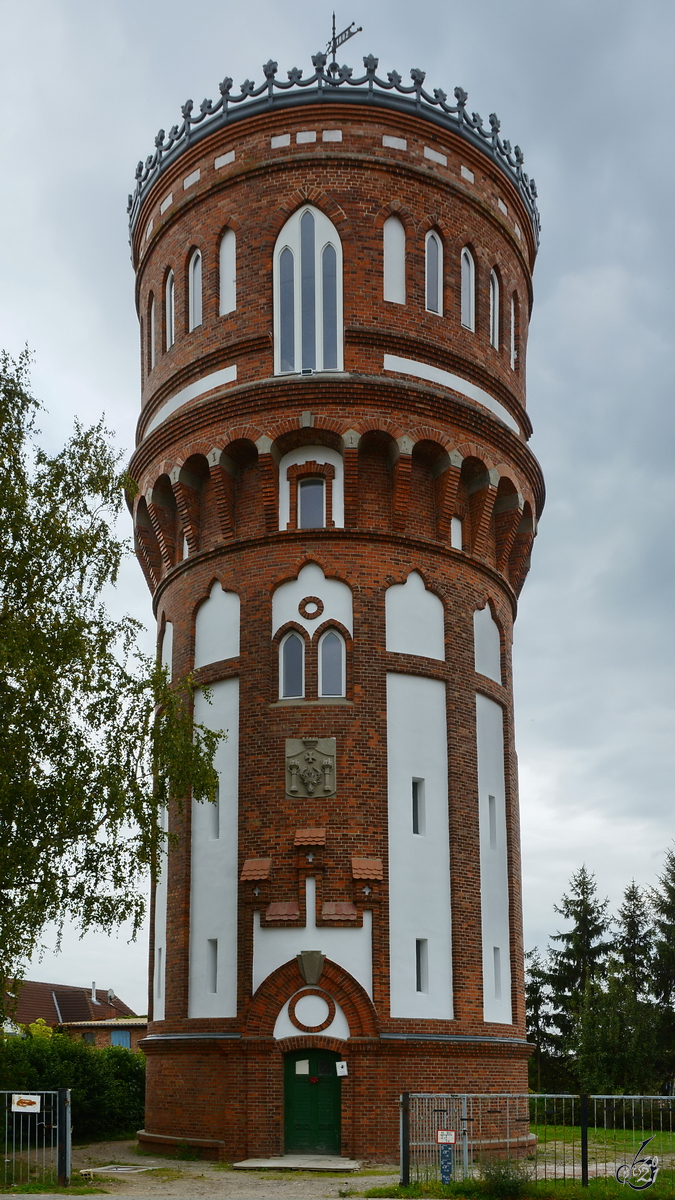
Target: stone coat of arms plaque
x,y
310,767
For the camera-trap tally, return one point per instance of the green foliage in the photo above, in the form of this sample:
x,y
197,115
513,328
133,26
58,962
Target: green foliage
x,y
582,953
93,739
40,1028
600,1009
107,1086
505,1178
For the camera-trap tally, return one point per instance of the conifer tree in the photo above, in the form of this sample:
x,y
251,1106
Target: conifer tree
x,y
633,943
582,954
663,901
538,1010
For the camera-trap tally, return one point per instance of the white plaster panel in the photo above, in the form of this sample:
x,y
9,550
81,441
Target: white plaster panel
x,y
319,454
159,972
350,948
206,384
284,1027
419,866
487,644
311,581
420,370
217,627
414,619
167,649
213,898
494,881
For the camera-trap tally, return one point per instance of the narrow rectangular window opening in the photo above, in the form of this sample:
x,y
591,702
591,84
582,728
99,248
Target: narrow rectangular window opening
x,y
456,533
496,954
492,821
212,965
152,334
421,965
158,972
418,807
311,504
513,355
215,816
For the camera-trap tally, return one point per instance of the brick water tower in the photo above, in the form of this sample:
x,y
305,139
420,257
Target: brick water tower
x,y
335,515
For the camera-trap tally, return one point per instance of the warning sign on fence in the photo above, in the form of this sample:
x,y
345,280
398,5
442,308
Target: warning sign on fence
x,y
25,1103
446,1137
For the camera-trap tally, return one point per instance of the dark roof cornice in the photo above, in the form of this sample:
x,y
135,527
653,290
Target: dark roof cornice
x,y
324,85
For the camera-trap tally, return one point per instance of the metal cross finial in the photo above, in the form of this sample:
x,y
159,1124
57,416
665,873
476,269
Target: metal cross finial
x,y
339,39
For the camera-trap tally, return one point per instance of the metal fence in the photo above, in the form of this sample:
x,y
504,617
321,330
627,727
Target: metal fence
x,y
544,1137
36,1137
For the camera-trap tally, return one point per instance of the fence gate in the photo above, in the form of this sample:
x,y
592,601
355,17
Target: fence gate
x,y
36,1137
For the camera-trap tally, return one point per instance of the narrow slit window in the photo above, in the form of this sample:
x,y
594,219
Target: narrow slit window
x,y
212,965
418,812
292,666
494,310
215,816
394,261
329,277
159,962
228,272
456,533
492,821
497,960
311,504
308,290
195,291
434,273
512,346
287,309
421,965
331,665
151,334
468,290
170,313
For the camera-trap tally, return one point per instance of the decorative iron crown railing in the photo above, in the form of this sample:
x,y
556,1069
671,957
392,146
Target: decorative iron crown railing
x,y
324,85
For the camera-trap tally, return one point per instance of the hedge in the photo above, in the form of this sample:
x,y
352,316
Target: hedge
x,y
107,1086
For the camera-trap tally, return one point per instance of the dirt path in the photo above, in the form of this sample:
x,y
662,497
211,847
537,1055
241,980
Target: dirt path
x,y
169,1177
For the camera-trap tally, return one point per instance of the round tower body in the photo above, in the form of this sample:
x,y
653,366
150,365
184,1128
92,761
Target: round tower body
x,y
335,513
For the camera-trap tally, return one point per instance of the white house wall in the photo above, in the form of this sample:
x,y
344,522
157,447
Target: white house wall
x,y
487,644
159,966
419,865
335,596
414,619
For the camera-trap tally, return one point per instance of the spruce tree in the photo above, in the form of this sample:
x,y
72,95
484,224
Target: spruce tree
x,y
633,944
537,1000
663,901
582,955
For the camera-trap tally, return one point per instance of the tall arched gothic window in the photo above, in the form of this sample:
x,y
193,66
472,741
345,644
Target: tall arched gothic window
x,y
228,272
292,667
331,664
434,273
394,260
308,295
195,290
494,310
170,310
468,297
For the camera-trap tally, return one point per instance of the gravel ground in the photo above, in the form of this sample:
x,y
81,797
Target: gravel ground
x,y
169,1177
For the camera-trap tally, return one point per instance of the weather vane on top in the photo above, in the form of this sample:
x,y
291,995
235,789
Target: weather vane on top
x,y
339,40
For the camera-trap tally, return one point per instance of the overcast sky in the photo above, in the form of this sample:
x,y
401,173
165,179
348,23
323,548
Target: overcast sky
x,y
586,87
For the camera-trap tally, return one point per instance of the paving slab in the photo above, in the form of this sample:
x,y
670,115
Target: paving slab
x,y
299,1162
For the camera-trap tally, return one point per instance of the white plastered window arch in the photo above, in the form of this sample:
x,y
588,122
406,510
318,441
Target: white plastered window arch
x,y
308,329
228,272
170,309
494,310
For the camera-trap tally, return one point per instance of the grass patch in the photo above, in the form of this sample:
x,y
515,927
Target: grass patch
x,y
472,1189
41,1189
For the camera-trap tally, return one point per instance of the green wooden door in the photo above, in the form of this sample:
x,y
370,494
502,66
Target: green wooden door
x,y
312,1102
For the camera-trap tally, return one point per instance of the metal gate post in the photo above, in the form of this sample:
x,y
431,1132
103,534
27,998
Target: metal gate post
x,y
465,1138
584,1140
405,1139
63,1147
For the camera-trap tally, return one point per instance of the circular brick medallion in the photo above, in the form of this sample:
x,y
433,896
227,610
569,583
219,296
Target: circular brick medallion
x,y
310,608
328,1002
